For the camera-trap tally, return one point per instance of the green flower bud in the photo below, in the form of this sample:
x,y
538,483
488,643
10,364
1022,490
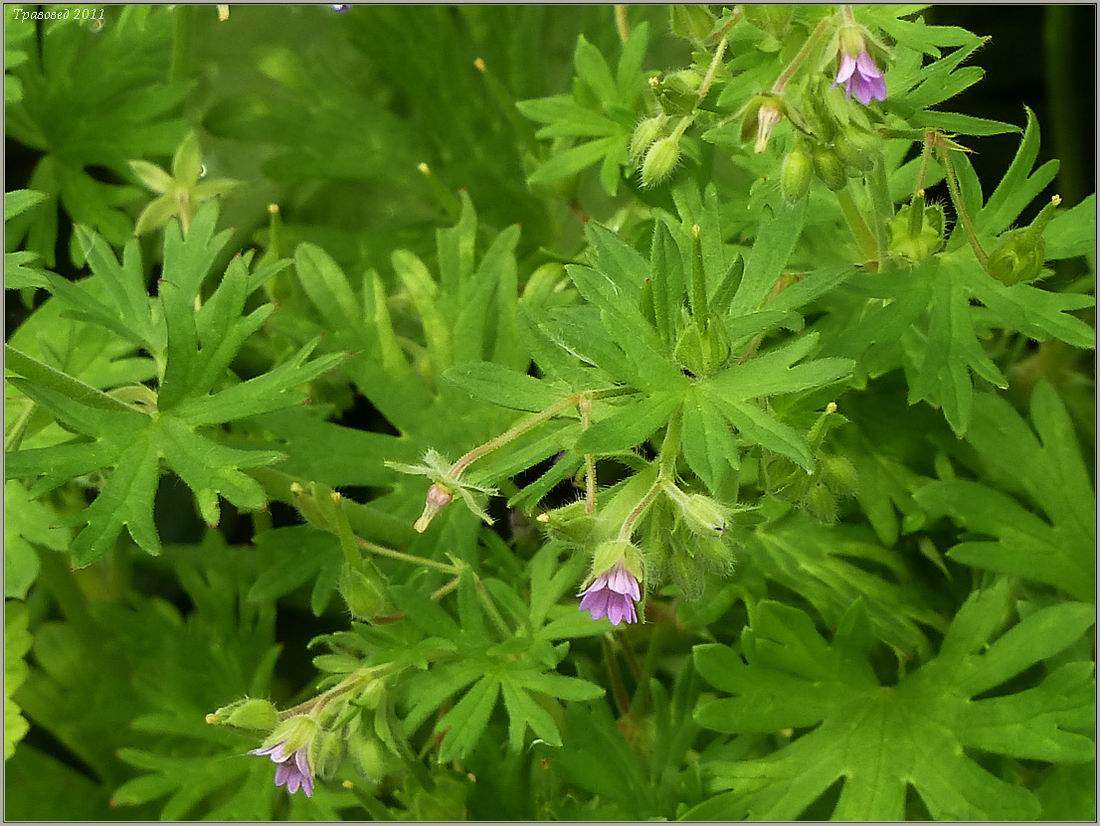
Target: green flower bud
x,y
759,118
645,133
570,523
249,713
716,555
687,572
794,179
327,753
839,475
829,168
660,161
363,591
1020,256
368,754
856,148
820,503
691,22
372,695
702,515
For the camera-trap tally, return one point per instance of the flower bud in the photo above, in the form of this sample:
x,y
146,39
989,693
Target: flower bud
x,y
794,180
660,161
437,499
829,168
820,503
570,523
363,592
368,754
840,475
645,133
249,713
716,555
702,515
1020,256
326,754
856,148
372,695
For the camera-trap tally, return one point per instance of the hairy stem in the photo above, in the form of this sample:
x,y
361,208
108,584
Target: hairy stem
x,y
800,58
858,226
960,208
382,550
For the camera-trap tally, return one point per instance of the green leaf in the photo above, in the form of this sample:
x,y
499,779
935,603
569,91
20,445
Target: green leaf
x,y
879,741
27,523
629,424
464,724
708,444
501,386
1057,550
775,242
17,642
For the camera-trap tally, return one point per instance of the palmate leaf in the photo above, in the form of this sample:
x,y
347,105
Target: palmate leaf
x,y
601,108
1059,550
17,642
131,441
103,126
880,740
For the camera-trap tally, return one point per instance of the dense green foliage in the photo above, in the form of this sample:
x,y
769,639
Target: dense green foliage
x,y
346,347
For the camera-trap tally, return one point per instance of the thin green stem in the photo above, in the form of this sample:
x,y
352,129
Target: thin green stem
x,y
670,452
649,667
181,43
622,22
925,157
803,54
530,422
615,678
491,608
719,53
857,225
382,550
882,206
960,208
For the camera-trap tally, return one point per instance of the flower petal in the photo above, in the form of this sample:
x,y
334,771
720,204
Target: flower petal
x,y
867,67
301,760
283,773
615,611
294,782
847,66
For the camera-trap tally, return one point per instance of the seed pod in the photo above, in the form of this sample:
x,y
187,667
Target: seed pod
x,y
794,179
829,168
660,161
916,231
645,133
840,475
702,515
249,713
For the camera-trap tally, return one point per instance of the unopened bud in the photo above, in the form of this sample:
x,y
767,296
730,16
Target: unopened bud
x,y
372,695
840,475
363,592
821,503
856,148
326,754
437,499
1020,255
570,523
702,515
249,713
829,168
795,177
660,161
366,751
645,133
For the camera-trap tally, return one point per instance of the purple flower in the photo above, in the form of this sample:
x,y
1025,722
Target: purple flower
x,y
340,7
293,767
612,594
860,76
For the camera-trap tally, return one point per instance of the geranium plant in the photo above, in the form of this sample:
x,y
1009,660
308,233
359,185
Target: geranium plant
x,y
405,422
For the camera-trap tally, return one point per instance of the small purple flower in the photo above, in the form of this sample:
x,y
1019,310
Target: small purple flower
x,y
293,767
340,7
860,76
612,594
